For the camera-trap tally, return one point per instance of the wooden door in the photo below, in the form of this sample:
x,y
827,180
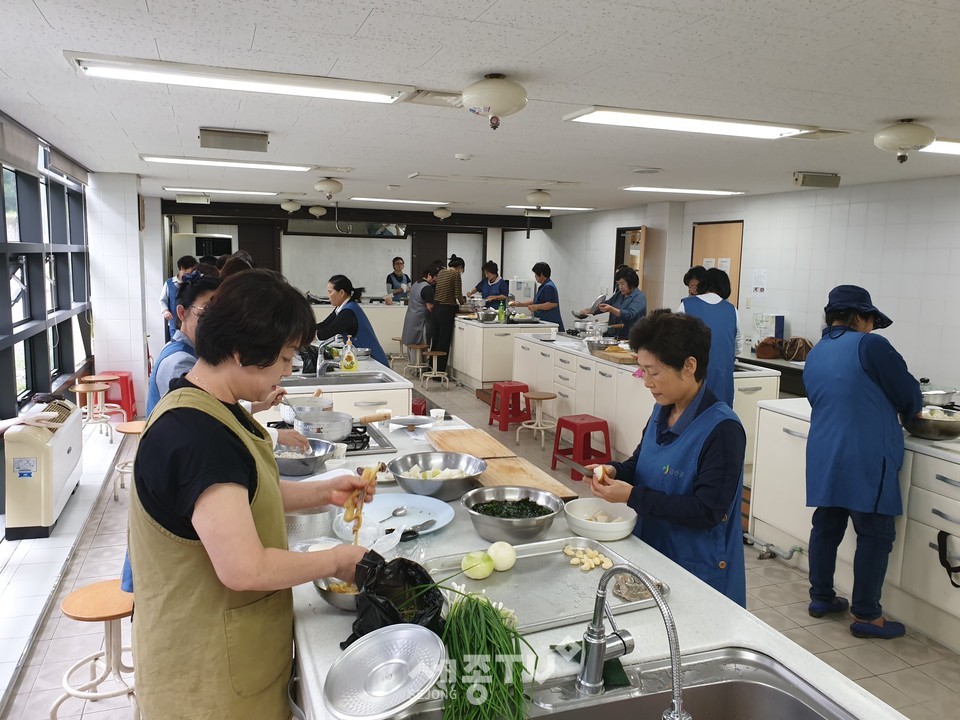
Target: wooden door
x,y
262,241
720,244
426,246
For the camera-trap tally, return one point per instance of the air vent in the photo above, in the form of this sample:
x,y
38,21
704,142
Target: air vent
x,y
490,180
820,134
436,98
224,139
186,199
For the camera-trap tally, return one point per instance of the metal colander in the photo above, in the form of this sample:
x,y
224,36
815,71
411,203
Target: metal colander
x,y
384,672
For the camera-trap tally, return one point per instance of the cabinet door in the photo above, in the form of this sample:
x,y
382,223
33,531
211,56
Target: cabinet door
x,y
922,574
458,347
473,351
586,371
634,406
566,401
497,355
368,402
747,392
938,476
524,363
605,393
543,360
779,491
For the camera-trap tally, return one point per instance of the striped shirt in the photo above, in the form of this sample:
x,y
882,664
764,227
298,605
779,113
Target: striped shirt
x,y
448,290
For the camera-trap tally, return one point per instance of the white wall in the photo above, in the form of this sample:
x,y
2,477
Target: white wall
x,y
308,261
469,246
154,273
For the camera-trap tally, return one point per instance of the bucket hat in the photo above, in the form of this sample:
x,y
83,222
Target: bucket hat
x,y
853,297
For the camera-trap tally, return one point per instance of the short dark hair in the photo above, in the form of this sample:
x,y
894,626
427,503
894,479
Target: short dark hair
x,y
342,282
716,281
456,262
194,285
630,275
432,269
186,262
254,315
234,265
244,255
541,268
695,273
398,258
207,269
491,267
844,316
672,338
209,259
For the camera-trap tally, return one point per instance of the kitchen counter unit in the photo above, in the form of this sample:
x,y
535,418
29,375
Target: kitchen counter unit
x,y
705,619
482,353
357,399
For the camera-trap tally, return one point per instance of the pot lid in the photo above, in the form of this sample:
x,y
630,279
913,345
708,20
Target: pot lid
x,y
384,672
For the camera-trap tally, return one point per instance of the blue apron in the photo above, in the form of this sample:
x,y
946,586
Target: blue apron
x,y
553,315
715,555
366,337
500,287
395,284
153,391
172,304
855,445
721,318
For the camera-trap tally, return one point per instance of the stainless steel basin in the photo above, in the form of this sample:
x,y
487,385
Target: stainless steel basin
x,y
338,378
727,684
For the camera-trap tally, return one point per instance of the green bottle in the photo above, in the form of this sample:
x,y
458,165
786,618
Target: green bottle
x,y
502,312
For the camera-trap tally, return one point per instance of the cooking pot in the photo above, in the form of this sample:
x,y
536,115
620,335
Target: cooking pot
x,y
303,406
938,394
326,425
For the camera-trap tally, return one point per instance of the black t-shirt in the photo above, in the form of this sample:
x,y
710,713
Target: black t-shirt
x,y
343,323
427,293
186,452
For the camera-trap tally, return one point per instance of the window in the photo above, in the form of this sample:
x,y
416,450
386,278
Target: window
x,y
20,360
19,295
79,348
10,205
50,283
53,340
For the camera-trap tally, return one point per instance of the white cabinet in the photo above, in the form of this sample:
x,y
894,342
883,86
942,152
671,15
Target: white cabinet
x,y
458,349
543,381
586,370
483,353
472,357
368,402
605,391
565,383
747,391
634,406
497,355
524,363
779,491
923,574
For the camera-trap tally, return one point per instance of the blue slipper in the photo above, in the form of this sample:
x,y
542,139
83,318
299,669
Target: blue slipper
x,y
887,631
819,608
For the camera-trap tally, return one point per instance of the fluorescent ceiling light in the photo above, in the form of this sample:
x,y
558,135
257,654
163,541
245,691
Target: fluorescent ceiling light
x,y
686,123
543,207
682,191
404,202
157,71
217,192
205,162
943,147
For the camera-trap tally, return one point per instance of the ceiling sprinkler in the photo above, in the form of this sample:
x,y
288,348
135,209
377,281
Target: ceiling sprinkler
x,y
329,187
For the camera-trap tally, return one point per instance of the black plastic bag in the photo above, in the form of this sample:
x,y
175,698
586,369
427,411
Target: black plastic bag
x,y
394,592
309,356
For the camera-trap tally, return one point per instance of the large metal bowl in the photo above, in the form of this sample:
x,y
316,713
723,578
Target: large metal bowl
x,y
342,601
310,464
932,428
487,315
512,531
445,490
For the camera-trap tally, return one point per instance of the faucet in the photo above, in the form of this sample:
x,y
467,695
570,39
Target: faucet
x,y
322,365
599,647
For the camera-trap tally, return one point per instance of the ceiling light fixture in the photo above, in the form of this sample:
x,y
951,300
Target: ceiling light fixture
x,y
903,137
705,124
539,198
442,213
404,202
317,211
682,191
207,162
291,206
943,147
158,71
218,192
494,97
328,186
546,207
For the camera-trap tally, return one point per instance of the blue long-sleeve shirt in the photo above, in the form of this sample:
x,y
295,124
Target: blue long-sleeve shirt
x,y
887,368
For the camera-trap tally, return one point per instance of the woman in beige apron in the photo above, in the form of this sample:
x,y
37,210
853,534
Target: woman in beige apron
x,y
213,635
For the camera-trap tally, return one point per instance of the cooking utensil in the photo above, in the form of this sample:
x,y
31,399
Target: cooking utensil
x,y
938,394
934,428
331,426
420,509
512,530
397,512
412,533
309,464
450,489
303,404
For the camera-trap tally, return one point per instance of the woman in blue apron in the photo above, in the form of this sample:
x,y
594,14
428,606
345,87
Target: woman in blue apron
x,y
348,318
685,479
546,303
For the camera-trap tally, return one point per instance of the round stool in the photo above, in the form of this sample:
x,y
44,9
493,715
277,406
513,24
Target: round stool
x,y
538,423
125,468
434,373
100,602
93,400
397,356
419,366
106,408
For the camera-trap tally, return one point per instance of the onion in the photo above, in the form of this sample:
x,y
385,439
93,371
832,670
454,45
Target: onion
x,y
503,555
477,565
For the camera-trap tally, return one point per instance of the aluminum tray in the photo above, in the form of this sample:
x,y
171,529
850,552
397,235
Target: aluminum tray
x,y
543,588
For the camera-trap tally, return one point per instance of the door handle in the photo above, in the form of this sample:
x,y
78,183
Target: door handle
x,y
543,354
370,403
794,433
564,377
945,516
525,348
564,361
585,367
563,395
750,389
948,481
603,374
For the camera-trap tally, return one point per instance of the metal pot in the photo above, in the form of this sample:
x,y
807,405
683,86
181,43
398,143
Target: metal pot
x,y
304,406
938,394
582,325
330,426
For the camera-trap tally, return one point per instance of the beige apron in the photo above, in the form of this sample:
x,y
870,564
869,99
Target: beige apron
x,y
200,649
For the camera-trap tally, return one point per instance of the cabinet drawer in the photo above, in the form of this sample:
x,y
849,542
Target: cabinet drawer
x,y
922,574
935,510
565,403
566,360
562,375
937,476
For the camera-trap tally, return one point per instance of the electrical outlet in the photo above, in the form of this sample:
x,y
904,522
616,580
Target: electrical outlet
x,y
749,303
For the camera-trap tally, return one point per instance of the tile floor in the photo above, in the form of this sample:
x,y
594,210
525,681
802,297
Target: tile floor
x,y
913,674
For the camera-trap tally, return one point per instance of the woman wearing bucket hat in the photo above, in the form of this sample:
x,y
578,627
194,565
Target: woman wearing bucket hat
x,y
857,384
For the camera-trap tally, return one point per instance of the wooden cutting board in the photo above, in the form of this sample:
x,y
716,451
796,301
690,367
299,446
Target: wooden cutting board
x,y
473,442
621,358
518,471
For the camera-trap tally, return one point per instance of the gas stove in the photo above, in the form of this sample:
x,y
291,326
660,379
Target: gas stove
x,y
362,440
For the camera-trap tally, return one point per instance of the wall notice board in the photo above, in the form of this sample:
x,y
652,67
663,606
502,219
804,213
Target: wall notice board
x,y
720,245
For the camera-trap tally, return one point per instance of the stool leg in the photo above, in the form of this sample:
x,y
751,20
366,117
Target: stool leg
x,y
543,433
493,404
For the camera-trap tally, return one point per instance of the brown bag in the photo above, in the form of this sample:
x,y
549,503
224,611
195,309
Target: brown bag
x,y
797,349
770,348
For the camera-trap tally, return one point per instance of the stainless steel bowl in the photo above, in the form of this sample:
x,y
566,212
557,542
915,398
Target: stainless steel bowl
x,y
310,464
606,342
513,531
593,345
487,315
930,428
362,352
445,490
342,601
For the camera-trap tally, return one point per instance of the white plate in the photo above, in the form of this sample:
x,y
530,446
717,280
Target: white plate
x,y
385,478
415,420
420,508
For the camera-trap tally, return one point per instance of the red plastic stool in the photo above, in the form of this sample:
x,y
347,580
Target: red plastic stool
x,y
582,452
121,392
510,408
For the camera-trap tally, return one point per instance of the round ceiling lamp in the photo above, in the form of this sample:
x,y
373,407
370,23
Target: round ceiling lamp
x,y
442,213
329,187
494,97
539,197
903,137
291,206
317,211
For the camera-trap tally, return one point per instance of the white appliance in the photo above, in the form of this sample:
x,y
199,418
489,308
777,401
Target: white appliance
x,y
39,467
523,290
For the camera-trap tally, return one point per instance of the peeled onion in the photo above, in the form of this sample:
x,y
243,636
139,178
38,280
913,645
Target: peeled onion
x,y
503,555
477,565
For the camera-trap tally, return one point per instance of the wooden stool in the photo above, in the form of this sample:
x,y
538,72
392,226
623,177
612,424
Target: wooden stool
x,y
582,452
509,409
442,376
397,356
419,366
134,427
100,602
94,398
106,408
538,423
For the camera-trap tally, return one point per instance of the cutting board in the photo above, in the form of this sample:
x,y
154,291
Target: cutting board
x,y
621,358
473,442
517,471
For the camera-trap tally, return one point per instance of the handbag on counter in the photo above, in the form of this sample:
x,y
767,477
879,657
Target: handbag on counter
x,y
770,348
797,349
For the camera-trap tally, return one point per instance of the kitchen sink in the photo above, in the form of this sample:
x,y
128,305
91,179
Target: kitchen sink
x,y
727,684
336,378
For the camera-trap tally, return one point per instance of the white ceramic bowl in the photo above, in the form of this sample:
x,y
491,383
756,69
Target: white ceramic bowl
x,y
577,512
